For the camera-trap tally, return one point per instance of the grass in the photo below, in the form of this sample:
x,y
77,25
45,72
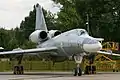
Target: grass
x,y
48,66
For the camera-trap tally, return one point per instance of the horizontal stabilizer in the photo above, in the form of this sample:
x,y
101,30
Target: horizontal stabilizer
x,y
108,53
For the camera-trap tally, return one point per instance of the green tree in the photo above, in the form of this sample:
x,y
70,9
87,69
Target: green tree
x,y
12,44
27,26
4,38
104,16
28,45
68,17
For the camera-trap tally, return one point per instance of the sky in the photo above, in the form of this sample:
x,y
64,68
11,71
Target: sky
x,y
12,12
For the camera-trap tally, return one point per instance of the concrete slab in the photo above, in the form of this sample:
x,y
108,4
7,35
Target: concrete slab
x,y
64,76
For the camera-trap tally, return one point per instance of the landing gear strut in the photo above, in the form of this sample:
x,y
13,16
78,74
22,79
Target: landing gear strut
x,y
78,60
77,71
18,69
90,68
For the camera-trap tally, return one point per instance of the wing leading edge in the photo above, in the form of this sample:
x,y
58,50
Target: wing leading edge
x,y
108,53
36,50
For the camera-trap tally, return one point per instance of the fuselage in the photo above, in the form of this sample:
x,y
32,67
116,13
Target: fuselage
x,y
76,41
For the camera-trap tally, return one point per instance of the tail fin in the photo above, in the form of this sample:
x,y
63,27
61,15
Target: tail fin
x,y
40,21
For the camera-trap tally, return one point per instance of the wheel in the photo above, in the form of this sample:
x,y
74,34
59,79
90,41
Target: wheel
x,y
18,69
15,70
90,70
21,69
75,71
113,70
116,70
80,72
93,69
86,70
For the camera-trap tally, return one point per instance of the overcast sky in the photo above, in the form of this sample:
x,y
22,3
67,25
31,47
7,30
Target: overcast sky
x,y
12,12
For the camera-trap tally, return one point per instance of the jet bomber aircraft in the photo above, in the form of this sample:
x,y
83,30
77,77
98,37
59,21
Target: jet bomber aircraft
x,y
56,46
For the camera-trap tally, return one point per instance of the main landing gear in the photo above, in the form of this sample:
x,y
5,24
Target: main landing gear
x,y
78,60
19,69
90,68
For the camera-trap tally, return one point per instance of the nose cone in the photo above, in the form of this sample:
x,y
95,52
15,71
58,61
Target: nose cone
x,y
92,47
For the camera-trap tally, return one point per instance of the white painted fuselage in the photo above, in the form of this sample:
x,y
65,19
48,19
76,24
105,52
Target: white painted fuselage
x,y
75,41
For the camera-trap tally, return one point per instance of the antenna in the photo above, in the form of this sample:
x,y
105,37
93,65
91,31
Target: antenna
x,y
87,23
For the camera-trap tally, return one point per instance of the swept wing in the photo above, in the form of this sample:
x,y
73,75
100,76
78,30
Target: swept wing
x,y
36,50
108,53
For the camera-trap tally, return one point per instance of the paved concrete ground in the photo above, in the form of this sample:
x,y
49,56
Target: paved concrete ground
x,y
64,76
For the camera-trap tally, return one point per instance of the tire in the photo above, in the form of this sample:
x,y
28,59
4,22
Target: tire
x,y
75,71
93,69
116,70
22,70
113,70
18,69
86,70
15,69
80,72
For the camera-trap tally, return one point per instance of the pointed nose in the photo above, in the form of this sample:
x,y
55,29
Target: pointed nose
x,y
92,47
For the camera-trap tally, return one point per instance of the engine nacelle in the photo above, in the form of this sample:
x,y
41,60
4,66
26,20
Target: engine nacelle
x,y
54,33
38,36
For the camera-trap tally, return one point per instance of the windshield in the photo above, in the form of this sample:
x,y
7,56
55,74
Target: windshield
x,y
82,32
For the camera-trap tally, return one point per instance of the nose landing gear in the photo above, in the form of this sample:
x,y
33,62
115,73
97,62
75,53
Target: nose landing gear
x,y
78,60
77,71
19,69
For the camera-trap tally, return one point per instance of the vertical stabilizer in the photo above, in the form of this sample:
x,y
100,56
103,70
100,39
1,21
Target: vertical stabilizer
x,y
40,21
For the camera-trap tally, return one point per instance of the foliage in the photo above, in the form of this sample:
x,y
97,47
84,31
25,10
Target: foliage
x,y
27,26
104,16
104,21
4,38
68,17
19,37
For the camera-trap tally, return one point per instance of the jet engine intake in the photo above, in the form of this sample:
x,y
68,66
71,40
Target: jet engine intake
x,y
54,33
38,36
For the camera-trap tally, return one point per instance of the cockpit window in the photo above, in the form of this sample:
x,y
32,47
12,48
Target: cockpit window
x,y
78,32
81,32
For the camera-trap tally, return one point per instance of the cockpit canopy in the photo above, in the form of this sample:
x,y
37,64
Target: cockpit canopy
x,y
81,32
78,32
